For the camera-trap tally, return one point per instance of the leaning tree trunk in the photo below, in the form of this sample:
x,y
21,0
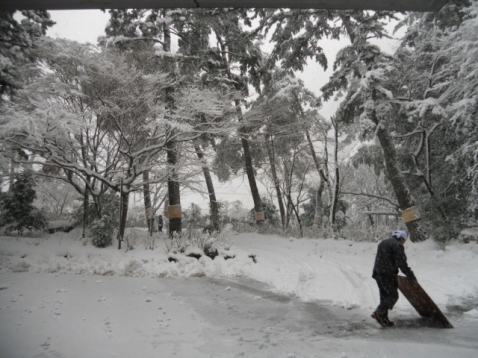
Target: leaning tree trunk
x,y
245,144
319,209
250,169
402,192
213,204
270,151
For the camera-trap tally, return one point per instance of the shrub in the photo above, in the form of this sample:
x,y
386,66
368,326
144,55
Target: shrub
x,y
101,233
17,205
270,212
199,239
102,228
445,233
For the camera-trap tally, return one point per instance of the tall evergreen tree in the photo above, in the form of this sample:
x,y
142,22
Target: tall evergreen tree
x,y
17,39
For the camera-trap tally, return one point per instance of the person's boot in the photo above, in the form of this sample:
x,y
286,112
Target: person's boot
x,y
381,318
390,323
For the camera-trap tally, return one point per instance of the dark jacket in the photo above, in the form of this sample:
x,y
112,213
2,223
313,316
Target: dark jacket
x,y
390,257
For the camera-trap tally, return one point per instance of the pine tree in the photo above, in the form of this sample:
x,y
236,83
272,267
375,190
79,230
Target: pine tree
x,y
17,39
434,127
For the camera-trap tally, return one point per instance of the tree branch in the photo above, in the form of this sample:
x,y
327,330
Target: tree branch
x,y
373,196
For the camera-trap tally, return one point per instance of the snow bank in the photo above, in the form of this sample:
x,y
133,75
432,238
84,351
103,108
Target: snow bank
x,y
64,254
332,271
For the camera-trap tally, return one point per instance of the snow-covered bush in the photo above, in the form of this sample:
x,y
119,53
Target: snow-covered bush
x,y
102,228
175,243
131,239
101,233
209,244
270,212
367,233
17,210
445,233
150,241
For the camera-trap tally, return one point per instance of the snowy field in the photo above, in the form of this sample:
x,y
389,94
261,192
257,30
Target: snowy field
x,y
60,298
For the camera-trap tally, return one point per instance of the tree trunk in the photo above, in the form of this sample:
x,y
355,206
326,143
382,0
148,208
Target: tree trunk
x,y
270,151
123,215
319,210
319,207
12,174
333,210
213,204
147,203
402,193
174,197
245,144
287,192
335,200
290,204
174,207
250,170
85,210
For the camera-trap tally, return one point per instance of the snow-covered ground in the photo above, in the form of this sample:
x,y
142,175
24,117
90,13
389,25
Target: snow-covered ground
x,y
60,298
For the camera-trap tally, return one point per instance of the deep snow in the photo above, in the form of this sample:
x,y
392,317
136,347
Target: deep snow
x,y
59,298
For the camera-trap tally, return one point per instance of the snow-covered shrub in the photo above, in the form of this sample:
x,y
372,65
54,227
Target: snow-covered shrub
x,y
150,241
101,233
17,210
468,235
443,217
443,234
175,243
192,217
210,244
242,227
132,266
223,238
131,239
20,266
270,212
60,225
102,228
367,233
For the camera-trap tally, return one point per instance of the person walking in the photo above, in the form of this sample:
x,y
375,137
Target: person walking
x,y
390,257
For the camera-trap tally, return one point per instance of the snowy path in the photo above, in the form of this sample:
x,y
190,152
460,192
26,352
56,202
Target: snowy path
x,y
59,298
340,271
48,315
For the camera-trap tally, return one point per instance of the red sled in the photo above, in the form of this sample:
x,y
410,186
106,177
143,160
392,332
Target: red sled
x,y
422,303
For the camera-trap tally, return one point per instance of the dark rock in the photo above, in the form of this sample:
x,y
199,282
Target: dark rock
x,y
253,257
60,228
211,252
195,255
172,259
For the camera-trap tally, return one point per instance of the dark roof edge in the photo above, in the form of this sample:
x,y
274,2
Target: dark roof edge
x,y
396,5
